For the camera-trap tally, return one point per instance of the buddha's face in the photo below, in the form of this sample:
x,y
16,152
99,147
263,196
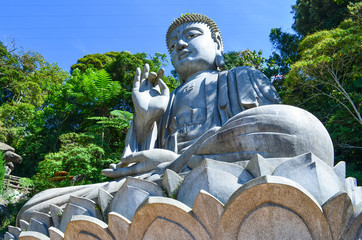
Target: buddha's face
x,y
192,49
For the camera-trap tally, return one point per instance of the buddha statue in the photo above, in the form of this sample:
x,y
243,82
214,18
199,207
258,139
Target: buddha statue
x,y
166,125
224,115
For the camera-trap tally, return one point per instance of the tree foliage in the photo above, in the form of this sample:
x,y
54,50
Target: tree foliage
x,y
97,61
79,161
315,15
250,58
327,81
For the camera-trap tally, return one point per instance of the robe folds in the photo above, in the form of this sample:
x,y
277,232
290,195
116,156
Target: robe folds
x,y
226,94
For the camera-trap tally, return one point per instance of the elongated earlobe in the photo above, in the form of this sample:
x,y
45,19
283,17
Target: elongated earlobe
x,y
220,61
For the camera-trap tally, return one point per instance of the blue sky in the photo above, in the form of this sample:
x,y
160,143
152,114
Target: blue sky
x,y
64,31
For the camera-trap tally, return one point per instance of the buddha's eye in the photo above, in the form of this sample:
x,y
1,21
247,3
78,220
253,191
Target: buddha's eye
x,y
172,47
193,33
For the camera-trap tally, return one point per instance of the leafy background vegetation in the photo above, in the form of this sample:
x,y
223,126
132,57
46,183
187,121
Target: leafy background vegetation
x,y
68,127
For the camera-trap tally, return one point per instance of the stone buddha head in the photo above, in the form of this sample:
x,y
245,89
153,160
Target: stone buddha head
x,y
195,45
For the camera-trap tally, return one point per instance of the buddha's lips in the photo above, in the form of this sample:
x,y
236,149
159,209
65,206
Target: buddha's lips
x,y
183,54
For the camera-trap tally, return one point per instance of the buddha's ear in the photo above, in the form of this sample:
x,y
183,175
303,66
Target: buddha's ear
x,y
219,59
218,41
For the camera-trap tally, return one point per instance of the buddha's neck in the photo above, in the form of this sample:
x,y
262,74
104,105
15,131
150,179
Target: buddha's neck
x,y
199,74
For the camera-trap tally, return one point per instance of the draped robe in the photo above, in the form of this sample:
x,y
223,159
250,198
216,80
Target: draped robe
x,y
226,94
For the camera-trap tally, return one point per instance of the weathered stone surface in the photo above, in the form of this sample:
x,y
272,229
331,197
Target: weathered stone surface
x,y
170,210
273,222
87,204
340,170
258,166
15,231
152,188
13,157
38,226
162,228
4,147
69,211
56,213
24,224
43,217
55,234
269,195
86,227
338,211
352,190
104,200
118,226
9,236
205,177
272,131
294,163
208,211
354,228
322,182
30,235
171,181
127,200
60,196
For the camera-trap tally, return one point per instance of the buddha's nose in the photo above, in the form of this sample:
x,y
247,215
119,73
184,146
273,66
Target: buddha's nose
x,y
181,44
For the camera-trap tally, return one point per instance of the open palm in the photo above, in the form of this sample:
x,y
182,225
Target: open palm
x,y
150,95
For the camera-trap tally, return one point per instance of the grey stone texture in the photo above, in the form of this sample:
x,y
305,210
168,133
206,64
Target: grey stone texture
x,y
258,167
9,236
10,157
171,181
211,177
56,214
322,181
38,226
104,200
271,131
15,231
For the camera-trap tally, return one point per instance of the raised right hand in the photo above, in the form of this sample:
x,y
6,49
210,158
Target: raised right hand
x,y
150,95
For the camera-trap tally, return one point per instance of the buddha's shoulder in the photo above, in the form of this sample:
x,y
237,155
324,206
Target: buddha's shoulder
x,y
245,69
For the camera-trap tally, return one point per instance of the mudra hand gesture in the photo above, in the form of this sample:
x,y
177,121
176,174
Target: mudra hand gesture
x,y
150,97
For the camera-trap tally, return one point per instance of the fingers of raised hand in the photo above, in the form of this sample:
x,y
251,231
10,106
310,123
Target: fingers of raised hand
x,y
137,78
145,73
152,77
159,76
163,87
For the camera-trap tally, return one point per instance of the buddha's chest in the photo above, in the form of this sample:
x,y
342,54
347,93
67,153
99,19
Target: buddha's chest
x,y
189,106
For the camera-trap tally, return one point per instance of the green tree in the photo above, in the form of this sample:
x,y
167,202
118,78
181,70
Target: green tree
x,y
79,161
286,46
26,81
250,58
327,81
97,61
315,15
